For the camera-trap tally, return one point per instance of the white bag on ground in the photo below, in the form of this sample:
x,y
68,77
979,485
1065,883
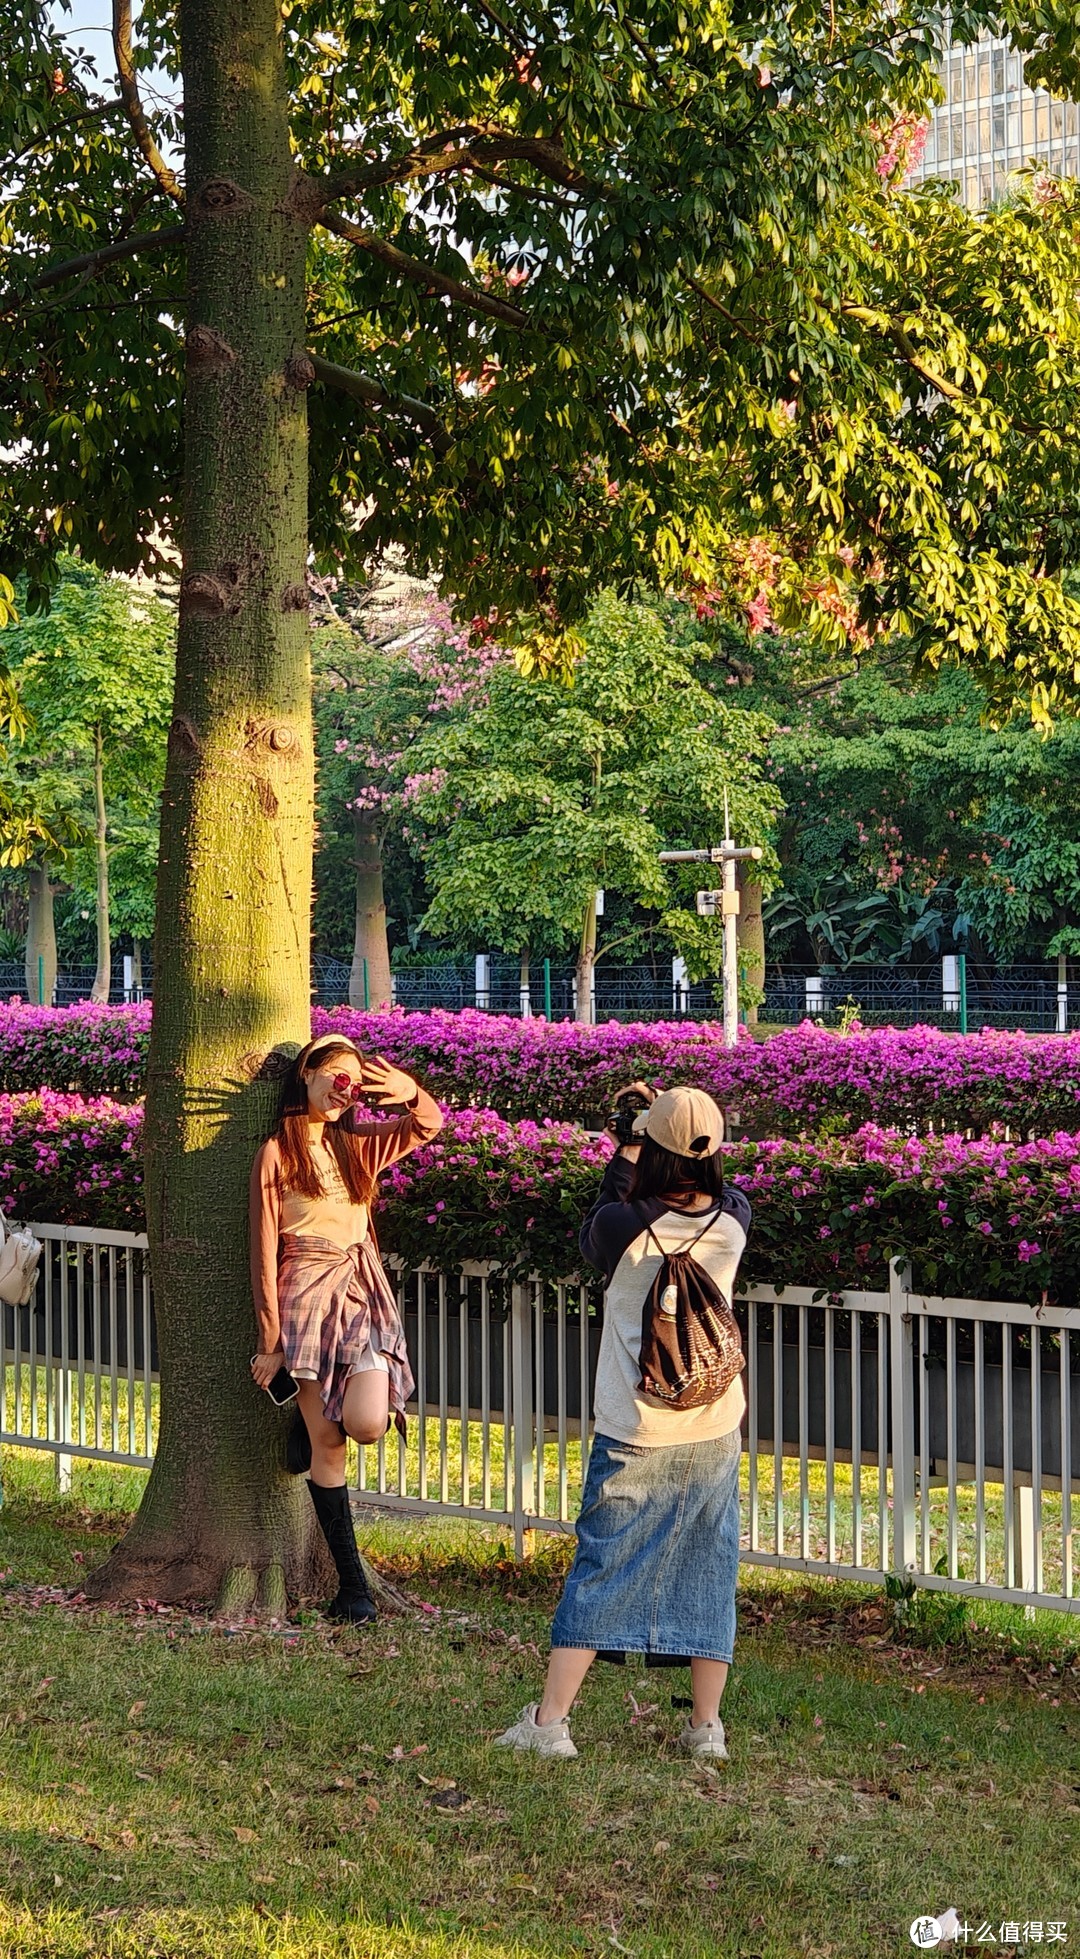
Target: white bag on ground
x,y
20,1255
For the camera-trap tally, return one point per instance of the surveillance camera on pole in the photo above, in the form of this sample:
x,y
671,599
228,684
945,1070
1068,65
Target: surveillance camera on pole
x,y
723,904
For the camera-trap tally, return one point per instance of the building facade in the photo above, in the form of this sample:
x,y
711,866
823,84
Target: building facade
x,y
991,124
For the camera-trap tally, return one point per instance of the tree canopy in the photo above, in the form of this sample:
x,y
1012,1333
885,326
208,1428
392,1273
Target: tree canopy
x,y
541,795
618,291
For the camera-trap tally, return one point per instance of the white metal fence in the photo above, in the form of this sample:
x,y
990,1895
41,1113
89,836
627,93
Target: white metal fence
x,y
887,1433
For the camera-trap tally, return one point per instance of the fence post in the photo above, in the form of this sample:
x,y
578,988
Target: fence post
x,y
63,1428
523,1414
680,986
902,1409
961,974
367,988
482,981
547,989
1062,994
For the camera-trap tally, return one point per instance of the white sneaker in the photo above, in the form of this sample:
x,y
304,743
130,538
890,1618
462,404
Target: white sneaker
x,y
705,1744
551,1739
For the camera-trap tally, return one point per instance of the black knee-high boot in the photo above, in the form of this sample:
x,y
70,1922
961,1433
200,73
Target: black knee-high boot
x,y
354,1600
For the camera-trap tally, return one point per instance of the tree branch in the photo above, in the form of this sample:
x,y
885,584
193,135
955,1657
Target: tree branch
x,y
906,346
458,150
372,393
702,293
145,241
426,275
129,95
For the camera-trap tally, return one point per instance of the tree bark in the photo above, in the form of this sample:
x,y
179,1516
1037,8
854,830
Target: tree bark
x,y
586,960
369,939
99,992
40,939
220,1520
751,939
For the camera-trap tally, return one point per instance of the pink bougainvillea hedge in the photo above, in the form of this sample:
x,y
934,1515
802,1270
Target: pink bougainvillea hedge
x,y
805,1079
976,1219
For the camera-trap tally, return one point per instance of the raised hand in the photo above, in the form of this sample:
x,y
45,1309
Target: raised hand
x,y
383,1083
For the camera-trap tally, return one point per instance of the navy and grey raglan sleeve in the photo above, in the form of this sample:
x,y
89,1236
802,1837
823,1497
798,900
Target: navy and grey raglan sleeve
x,y
613,1223
737,1204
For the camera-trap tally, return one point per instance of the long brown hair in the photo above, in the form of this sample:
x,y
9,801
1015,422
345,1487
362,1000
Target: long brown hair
x,y
293,1133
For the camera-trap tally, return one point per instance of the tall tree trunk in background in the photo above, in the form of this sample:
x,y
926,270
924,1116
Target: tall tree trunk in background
x,y
586,960
369,940
99,992
40,939
220,1519
751,939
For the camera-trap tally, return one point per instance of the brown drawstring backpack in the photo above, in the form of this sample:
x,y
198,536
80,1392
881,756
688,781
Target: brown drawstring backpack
x,y
691,1347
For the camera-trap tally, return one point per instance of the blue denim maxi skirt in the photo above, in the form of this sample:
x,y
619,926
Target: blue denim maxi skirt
x,y
657,1552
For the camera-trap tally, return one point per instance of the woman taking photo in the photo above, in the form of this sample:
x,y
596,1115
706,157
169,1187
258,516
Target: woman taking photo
x,y
658,1533
325,1309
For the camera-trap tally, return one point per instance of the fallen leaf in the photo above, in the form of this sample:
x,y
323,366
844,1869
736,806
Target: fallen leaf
x,y
661,1849
436,1781
244,1835
371,1805
400,1754
135,1710
128,1839
43,1687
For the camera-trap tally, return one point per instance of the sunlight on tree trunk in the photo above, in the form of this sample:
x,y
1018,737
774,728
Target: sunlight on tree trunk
x,y
99,992
369,939
751,940
586,960
220,1520
40,939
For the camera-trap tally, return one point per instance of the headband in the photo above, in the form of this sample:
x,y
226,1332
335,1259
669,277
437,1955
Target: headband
x,y
336,1041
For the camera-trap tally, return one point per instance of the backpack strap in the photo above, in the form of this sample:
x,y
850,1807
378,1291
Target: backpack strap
x,y
650,1233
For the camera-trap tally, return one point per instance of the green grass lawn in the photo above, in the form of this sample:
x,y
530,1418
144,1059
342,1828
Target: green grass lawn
x,y
174,1790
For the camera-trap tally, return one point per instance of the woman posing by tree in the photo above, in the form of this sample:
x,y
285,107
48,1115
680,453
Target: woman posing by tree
x,y
325,1309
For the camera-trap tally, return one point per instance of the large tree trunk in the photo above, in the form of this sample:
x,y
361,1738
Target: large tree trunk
x,y
99,992
40,939
586,960
220,1519
369,978
751,939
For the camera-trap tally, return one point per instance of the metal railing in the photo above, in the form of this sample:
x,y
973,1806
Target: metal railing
x,y
1033,997
888,1434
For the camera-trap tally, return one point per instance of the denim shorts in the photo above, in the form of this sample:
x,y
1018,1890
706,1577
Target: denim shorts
x,y
657,1552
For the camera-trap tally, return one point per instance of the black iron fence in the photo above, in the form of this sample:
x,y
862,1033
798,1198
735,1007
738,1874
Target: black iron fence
x,y
958,996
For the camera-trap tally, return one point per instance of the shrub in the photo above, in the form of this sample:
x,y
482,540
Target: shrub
x,y
67,1160
81,1050
982,1219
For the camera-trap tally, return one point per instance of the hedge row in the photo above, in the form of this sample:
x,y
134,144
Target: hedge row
x,y
805,1079
976,1219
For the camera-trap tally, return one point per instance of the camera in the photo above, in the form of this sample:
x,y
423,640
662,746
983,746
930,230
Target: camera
x,y
628,1106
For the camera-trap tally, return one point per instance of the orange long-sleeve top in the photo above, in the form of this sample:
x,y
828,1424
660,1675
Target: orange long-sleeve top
x,y
271,1208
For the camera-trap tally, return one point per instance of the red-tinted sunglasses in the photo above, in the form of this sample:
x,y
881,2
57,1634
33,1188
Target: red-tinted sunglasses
x,y
344,1085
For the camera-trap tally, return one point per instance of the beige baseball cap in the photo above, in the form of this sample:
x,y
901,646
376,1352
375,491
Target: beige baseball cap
x,y
685,1121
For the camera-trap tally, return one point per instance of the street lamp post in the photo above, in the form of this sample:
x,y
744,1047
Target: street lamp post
x,y
726,901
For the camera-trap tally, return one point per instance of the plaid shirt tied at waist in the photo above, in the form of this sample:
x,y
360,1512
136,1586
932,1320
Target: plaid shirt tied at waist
x,y
331,1298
